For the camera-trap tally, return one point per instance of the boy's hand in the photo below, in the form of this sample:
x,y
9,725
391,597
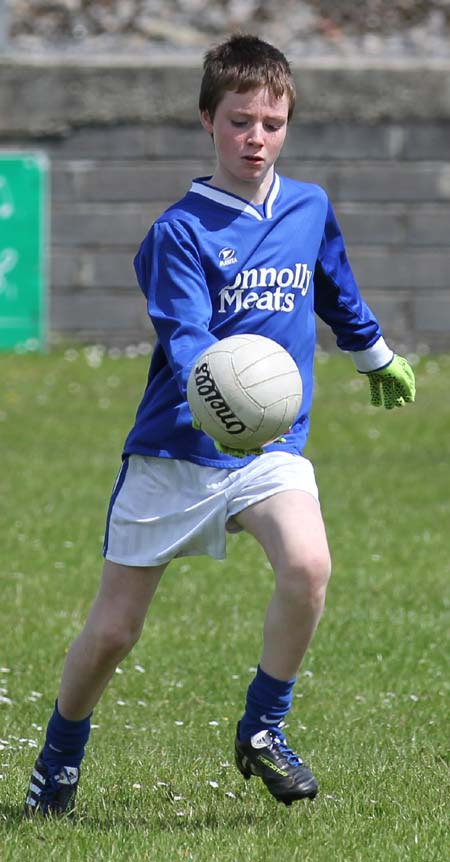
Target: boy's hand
x,y
241,453
235,453
225,450
393,385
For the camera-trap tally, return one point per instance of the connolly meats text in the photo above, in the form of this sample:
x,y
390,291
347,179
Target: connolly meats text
x,y
207,388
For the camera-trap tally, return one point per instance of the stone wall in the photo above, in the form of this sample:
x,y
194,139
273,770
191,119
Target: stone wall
x,y
123,140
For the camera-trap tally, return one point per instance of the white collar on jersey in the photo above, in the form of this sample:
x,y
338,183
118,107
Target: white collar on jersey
x,y
200,187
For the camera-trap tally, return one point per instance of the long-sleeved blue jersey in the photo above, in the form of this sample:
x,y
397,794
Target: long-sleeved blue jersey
x,y
214,265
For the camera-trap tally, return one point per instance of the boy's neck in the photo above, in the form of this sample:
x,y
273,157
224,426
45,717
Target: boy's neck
x,y
254,194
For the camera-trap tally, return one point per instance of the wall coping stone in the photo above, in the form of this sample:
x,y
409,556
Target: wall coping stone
x,y
50,94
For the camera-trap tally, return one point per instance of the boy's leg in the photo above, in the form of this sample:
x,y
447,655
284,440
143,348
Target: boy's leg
x,y
111,630
290,528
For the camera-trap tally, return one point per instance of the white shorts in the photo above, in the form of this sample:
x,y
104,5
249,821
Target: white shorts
x,y
162,508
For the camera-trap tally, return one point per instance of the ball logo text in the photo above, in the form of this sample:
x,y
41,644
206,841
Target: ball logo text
x,y
207,388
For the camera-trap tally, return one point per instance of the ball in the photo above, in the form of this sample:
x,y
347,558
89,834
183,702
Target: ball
x,y
244,391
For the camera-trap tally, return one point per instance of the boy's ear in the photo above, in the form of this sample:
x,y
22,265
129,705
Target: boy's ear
x,y
206,121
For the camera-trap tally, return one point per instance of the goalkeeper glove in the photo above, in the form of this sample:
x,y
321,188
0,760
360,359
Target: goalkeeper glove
x,y
393,385
242,453
235,453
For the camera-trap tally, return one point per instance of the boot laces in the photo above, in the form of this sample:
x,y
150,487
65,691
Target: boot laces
x,y
279,742
52,786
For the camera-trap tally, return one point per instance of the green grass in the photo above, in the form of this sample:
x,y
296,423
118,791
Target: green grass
x,y
372,704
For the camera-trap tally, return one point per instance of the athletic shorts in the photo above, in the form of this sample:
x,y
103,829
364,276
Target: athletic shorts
x,y
163,508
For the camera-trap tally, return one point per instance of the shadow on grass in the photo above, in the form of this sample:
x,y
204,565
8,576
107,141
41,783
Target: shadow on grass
x,y
243,812
248,813
174,824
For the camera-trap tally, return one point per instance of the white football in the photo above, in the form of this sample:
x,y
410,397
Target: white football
x,y
245,391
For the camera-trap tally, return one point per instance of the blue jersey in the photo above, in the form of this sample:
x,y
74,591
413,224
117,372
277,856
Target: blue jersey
x,y
214,265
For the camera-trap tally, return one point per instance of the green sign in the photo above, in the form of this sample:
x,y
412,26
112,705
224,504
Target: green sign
x,y
23,250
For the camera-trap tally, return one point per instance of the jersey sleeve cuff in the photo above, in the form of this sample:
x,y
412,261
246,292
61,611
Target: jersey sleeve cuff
x,y
375,357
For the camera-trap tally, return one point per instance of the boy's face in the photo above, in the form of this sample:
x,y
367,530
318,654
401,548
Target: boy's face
x,y
249,130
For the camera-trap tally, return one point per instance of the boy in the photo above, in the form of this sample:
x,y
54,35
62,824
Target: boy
x,y
244,251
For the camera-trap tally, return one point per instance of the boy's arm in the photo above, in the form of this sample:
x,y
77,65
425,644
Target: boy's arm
x,y
173,281
172,278
338,303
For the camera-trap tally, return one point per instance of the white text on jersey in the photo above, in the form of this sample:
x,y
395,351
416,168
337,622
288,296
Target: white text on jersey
x,y
252,280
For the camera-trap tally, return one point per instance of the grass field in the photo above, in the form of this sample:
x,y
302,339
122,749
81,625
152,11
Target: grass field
x,y
371,714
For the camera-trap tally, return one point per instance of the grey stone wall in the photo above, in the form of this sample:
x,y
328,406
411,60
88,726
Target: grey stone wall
x,y
123,140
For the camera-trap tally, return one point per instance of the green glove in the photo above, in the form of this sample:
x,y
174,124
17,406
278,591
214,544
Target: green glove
x,y
235,453
393,385
242,453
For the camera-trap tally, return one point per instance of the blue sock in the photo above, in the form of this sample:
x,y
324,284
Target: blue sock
x,y
268,702
65,740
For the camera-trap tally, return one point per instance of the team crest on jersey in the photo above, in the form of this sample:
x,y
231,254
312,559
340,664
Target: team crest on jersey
x,y
227,256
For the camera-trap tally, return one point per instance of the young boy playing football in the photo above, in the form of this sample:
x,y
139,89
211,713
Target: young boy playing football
x,y
245,250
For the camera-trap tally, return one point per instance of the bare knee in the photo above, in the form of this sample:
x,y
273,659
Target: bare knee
x,y
303,582
112,640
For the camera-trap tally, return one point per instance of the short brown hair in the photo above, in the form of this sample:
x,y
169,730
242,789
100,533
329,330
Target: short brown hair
x,y
244,63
